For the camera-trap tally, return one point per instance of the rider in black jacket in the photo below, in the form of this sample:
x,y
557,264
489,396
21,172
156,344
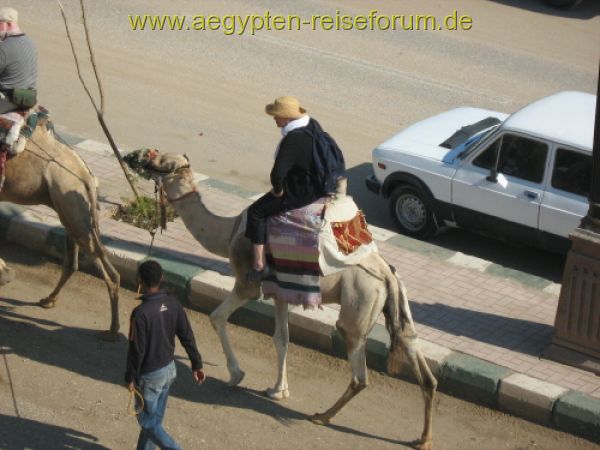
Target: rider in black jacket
x,y
294,183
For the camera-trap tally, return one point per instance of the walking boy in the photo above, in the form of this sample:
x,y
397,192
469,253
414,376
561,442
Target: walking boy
x,y
150,360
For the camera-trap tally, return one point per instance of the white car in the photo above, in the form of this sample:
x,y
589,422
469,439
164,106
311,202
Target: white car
x,y
524,176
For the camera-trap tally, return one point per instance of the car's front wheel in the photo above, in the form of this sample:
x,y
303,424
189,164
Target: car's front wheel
x,y
412,211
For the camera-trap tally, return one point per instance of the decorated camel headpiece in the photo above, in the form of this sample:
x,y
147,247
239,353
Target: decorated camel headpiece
x,y
149,162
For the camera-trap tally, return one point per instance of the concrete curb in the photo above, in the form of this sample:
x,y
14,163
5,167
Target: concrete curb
x,y
578,414
458,374
471,378
528,397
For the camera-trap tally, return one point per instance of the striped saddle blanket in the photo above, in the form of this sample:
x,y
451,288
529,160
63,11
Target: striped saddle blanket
x,y
305,243
293,251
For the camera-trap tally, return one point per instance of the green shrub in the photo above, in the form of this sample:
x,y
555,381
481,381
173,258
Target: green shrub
x,y
143,213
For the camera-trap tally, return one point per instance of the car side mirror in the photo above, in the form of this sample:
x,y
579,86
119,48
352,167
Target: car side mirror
x,y
493,176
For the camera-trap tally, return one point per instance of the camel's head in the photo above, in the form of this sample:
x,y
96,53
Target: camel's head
x,y
150,163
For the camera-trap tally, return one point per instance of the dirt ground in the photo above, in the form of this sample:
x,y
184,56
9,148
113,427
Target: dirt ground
x,y
62,387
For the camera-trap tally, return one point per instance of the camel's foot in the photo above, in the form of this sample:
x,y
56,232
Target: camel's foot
x,y
236,378
320,419
109,336
48,302
423,444
277,394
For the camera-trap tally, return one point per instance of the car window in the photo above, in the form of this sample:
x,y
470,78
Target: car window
x,y
572,172
487,158
520,157
467,148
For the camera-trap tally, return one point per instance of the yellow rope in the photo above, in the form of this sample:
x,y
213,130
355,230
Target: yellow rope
x,y
132,410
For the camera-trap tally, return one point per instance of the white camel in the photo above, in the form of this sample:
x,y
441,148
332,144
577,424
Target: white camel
x,y
363,291
50,173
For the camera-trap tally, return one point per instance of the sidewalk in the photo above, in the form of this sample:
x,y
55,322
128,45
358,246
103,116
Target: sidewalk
x,y
483,328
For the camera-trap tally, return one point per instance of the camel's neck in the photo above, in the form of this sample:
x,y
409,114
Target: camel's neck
x,y
212,231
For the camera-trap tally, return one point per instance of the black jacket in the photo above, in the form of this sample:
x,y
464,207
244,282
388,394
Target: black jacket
x,y
293,170
154,325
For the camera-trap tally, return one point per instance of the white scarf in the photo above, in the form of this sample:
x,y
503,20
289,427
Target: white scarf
x,y
297,123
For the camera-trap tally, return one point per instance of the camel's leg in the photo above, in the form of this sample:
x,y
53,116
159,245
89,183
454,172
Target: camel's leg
x,y
358,362
281,337
112,280
70,265
428,385
218,319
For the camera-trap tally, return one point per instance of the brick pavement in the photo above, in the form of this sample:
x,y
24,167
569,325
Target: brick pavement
x,y
490,317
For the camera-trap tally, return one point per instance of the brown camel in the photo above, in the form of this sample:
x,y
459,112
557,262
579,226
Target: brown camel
x,y
50,173
363,291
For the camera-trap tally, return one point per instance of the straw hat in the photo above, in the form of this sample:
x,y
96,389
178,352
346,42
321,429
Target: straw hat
x,y
9,15
286,107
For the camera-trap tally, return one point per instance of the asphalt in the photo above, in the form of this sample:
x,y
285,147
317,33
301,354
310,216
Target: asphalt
x,y
483,328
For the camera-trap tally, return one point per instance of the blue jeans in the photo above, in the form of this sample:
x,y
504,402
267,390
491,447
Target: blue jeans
x,y
154,387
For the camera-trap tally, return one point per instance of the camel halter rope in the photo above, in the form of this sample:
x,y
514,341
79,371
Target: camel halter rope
x,y
131,408
161,199
161,209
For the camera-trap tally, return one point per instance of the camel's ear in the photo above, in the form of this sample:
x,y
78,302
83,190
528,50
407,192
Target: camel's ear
x,y
186,157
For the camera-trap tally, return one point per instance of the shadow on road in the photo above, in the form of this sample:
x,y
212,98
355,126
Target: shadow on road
x,y
520,335
523,259
20,433
80,351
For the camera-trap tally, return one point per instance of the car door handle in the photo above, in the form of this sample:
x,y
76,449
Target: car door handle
x,y
531,195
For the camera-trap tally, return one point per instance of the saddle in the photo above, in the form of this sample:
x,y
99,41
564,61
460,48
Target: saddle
x,y
306,243
15,128
10,131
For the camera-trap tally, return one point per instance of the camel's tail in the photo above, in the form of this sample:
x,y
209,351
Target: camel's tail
x,y
399,323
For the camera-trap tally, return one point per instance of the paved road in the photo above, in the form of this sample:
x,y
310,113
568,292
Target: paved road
x,y
62,387
164,89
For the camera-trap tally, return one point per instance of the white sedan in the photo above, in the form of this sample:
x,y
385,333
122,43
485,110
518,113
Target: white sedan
x,y
523,177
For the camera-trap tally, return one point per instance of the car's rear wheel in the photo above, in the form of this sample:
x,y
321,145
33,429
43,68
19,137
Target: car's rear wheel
x,y
412,211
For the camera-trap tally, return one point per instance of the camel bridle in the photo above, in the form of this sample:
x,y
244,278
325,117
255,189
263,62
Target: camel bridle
x,y
160,186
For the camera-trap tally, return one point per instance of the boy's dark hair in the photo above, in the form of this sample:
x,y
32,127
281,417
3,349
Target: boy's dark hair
x,y
150,273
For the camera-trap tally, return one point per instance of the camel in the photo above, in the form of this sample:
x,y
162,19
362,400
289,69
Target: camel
x,y
50,173
6,273
363,291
